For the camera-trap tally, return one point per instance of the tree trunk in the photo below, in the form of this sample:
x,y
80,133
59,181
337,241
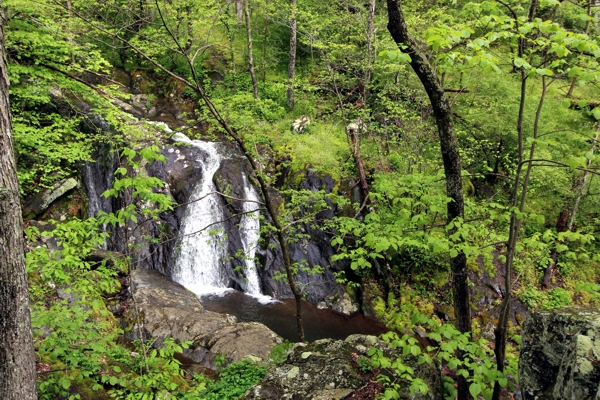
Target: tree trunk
x,y
292,59
587,29
17,359
265,43
570,213
223,18
239,10
370,40
359,164
250,55
452,168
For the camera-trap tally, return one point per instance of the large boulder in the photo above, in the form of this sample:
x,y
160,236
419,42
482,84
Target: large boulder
x,y
39,202
328,370
560,354
161,308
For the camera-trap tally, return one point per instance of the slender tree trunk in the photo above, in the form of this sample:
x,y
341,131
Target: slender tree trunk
x,y
250,55
501,331
358,161
583,182
17,359
353,143
292,58
265,43
566,219
587,29
451,159
231,52
370,40
239,10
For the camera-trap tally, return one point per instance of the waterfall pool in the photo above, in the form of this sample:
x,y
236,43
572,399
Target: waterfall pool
x,y
280,316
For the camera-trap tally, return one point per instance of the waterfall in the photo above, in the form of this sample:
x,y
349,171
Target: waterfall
x,y
202,250
97,177
250,234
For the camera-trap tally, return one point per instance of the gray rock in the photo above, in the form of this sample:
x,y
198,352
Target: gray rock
x,y
140,101
324,370
560,354
165,308
111,258
37,204
128,108
300,125
345,303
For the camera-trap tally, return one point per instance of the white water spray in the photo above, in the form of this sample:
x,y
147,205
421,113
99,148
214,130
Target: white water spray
x,y
203,247
250,234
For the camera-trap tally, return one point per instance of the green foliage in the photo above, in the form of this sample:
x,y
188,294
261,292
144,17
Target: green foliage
x,y
47,148
160,375
279,353
146,199
57,63
406,226
45,100
234,380
476,365
364,364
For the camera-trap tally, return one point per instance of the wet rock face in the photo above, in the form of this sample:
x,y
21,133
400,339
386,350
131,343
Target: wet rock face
x,y
164,308
314,249
327,370
560,354
182,171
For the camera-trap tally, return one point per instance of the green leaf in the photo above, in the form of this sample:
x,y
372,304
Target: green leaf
x,y
544,71
475,389
502,382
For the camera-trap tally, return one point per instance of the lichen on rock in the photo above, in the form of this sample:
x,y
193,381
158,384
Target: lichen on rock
x,y
560,354
326,370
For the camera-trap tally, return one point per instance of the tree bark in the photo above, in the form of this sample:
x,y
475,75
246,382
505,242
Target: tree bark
x,y
250,55
239,10
265,42
17,359
231,51
292,58
451,159
370,40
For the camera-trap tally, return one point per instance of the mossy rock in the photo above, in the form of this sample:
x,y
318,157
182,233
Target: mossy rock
x,y
560,354
327,369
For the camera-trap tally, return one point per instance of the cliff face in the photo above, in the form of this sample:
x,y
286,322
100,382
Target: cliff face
x,y
560,354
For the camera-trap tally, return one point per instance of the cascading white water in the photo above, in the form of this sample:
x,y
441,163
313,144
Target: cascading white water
x,y
203,247
250,234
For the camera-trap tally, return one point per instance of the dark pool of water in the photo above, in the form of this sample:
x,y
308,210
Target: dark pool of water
x,y
280,316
